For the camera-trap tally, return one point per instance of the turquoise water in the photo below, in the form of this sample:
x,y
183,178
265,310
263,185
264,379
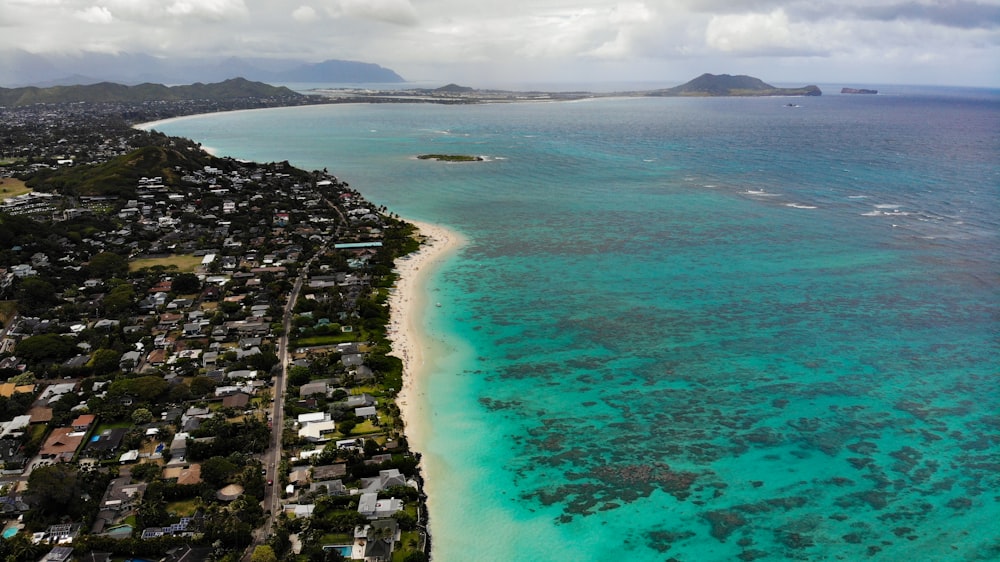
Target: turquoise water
x,y
701,329
10,532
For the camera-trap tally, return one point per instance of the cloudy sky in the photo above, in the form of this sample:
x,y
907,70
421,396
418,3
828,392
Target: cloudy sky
x,y
482,43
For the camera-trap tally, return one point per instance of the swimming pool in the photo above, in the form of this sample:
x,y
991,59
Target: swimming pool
x,y
10,532
343,549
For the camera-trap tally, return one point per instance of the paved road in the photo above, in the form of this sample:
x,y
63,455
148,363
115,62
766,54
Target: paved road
x,y
271,459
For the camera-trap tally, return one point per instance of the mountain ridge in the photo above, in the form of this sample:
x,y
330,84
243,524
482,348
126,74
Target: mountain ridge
x,y
20,68
234,88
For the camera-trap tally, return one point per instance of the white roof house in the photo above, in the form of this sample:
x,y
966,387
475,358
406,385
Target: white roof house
x,y
318,431
313,417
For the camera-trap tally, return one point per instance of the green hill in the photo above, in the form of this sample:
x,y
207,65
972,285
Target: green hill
x,y
727,85
120,176
235,88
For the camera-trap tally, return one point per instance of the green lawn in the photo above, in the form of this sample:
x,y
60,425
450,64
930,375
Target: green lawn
x,y
182,263
330,339
336,538
409,542
113,425
10,187
7,311
184,508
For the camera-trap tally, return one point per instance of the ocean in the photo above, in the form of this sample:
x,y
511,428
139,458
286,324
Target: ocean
x,y
695,329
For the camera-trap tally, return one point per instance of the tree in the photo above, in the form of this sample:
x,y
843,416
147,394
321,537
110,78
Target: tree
x,y
186,283
21,547
201,386
54,489
120,299
106,265
46,348
298,376
347,426
35,292
148,388
142,416
217,471
263,553
105,361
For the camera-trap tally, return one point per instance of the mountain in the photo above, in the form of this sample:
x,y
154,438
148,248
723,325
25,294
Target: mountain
x,y
20,68
455,89
727,85
337,71
235,88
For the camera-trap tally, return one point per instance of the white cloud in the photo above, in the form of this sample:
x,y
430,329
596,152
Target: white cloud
x,y
305,14
630,22
399,12
750,33
95,14
211,10
428,39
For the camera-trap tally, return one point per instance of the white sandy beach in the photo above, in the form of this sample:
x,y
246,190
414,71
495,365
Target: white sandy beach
x,y
407,305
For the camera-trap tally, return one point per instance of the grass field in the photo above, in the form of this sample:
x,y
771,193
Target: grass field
x,y
331,339
183,508
183,263
7,311
10,187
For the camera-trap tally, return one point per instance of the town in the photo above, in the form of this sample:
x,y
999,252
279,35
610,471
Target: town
x,y
194,354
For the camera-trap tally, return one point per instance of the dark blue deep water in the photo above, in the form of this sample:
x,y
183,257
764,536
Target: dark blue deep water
x,y
701,329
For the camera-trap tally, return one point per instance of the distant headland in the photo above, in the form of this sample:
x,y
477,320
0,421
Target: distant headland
x,y
706,85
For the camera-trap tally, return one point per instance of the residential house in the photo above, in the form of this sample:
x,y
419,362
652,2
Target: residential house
x,y
185,475
318,432
9,389
61,444
299,477
329,471
313,417
377,540
15,427
83,422
385,479
106,443
238,400
330,487
58,554
368,412
315,387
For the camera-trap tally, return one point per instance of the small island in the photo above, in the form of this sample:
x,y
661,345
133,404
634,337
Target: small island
x,y
451,157
857,91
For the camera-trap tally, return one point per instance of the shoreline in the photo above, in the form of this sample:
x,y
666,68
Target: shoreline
x,y
411,343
